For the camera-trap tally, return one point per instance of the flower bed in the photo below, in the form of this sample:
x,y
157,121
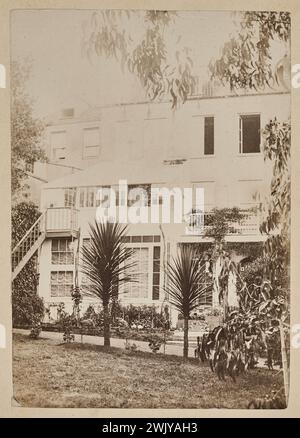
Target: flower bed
x,y
116,332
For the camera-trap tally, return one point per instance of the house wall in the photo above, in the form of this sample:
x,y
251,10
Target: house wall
x,y
143,132
151,133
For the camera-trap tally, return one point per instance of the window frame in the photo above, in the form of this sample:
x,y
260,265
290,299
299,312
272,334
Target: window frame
x,y
65,284
70,197
61,252
57,148
86,147
240,135
127,295
213,118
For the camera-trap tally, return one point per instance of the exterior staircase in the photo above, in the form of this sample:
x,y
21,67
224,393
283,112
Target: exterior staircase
x,y
28,245
53,222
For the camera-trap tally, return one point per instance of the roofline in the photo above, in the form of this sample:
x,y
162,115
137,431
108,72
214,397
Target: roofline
x,y
147,102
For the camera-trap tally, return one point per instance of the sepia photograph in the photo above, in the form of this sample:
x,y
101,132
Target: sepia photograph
x,y
150,208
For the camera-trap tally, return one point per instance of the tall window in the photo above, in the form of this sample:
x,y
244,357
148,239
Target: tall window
x,y
209,137
250,134
138,288
61,252
58,145
207,285
70,197
61,283
85,281
156,273
91,142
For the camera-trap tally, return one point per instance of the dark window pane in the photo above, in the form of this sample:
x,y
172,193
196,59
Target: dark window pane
x,y
90,200
55,258
250,134
156,265
81,198
155,293
69,258
208,135
156,252
156,238
156,279
70,197
61,251
139,198
136,239
147,238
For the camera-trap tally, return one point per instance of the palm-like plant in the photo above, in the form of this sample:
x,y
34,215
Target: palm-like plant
x,y
186,285
106,263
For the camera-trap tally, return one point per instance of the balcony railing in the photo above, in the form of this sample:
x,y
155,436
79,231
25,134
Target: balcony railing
x,y
61,220
247,226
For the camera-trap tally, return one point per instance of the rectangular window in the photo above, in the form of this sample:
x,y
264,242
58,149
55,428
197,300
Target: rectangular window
x,y
61,283
206,286
250,134
82,196
156,273
139,197
61,252
90,197
206,298
209,137
85,281
138,288
91,142
136,239
58,145
70,197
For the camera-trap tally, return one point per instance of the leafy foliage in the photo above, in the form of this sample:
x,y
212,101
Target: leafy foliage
x,y
147,57
185,277
273,400
276,147
106,260
35,330
106,263
146,316
276,222
186,285
26,130
27,306
264,285
220,221
246,61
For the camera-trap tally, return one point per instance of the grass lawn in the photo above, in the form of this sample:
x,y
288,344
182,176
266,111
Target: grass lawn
x,y
81,375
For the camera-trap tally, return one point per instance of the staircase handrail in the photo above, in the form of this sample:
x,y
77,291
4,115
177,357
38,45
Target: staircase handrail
x,y
29,231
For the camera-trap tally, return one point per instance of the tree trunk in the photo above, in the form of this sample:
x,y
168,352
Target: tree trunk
x,y
284,364
106,325
186,338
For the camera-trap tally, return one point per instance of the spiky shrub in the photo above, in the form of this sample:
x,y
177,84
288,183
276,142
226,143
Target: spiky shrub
x,y
186,285
106,263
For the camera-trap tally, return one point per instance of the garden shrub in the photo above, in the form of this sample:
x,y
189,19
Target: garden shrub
x,y
142,317
27,306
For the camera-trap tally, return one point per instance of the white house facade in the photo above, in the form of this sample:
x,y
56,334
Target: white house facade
x,y
213,143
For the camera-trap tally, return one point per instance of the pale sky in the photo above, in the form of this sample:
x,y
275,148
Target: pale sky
x,y
62,77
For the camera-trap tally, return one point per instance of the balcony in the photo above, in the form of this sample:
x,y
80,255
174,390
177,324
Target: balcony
x,y
61,222
248,226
